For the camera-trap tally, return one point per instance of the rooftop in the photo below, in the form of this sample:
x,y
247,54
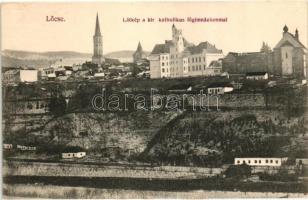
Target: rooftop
x,y
219,84
209,48
256,73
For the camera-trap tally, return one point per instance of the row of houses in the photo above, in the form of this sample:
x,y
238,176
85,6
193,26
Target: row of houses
x,y
219,88
15,76
68,153
20,147
87,70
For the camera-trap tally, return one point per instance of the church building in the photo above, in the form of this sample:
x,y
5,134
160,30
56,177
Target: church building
x,y
97,57
290,55
139,54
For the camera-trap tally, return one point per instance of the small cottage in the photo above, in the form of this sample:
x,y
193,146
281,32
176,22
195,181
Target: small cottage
x,y
257,75
219,88
73,152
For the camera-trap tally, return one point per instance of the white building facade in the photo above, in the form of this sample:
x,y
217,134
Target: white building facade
x,y
179,58
265,162
67,155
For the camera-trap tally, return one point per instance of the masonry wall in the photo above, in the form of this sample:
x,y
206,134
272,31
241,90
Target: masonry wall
x,y
82,170
225,100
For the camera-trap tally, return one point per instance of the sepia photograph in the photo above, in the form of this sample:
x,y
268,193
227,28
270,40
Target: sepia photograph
x,y
154,100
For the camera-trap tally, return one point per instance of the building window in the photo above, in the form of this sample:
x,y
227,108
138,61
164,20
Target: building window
x,y
286,55
271,161
256,161
200,67
163,70
260,161
238,162
204,59
266,161
162,64
248,161
189,69
204,67
276,161
199,59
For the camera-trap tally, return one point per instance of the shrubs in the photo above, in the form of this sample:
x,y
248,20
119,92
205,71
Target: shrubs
x,y
238,171
282,175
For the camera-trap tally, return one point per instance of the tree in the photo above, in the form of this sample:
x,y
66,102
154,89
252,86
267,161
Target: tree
x,y
57,106
238,171
135,70
265,48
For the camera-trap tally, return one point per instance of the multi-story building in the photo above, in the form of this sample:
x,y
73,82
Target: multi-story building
x,y
179,58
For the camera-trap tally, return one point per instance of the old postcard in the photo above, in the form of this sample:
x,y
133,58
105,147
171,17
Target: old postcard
x,y
154,100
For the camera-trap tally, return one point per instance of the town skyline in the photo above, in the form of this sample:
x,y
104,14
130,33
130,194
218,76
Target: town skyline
x,y
224,35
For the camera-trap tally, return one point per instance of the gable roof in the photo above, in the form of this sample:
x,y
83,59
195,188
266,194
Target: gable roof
x,y
289,39
162,48
255,73
209,48
219,84
183,86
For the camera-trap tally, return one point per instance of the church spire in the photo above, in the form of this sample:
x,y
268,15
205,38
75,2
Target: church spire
x,y
296,34
97,29
139,48
97,57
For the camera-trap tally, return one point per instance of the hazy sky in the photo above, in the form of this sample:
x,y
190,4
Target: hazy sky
x,y
24,25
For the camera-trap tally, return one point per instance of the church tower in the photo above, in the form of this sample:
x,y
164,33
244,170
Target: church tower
x,y
97,57
177,39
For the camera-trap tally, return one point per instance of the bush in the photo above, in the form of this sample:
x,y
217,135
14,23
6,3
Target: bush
x,y
281,176
238,171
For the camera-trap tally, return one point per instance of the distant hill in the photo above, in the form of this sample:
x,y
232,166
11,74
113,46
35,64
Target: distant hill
x,y
8,62
123,56
16,58
44,55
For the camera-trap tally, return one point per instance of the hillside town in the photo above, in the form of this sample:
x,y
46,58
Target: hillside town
x,y
251,126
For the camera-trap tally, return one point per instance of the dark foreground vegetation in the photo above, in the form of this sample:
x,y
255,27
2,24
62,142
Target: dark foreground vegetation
x,y
214,183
